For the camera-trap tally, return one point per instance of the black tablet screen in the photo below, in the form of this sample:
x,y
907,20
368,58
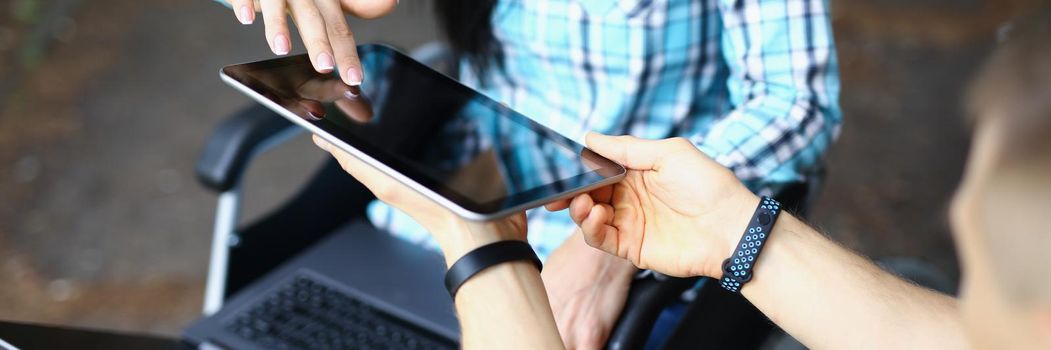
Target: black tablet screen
x,y
443,135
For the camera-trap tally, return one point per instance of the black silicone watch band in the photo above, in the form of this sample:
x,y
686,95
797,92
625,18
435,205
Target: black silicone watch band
x,y
485,257
737,269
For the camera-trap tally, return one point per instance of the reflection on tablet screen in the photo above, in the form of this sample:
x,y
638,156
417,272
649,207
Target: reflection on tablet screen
x,y
444,135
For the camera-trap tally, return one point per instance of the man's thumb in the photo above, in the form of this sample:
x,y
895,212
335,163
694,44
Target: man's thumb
x,y
630,151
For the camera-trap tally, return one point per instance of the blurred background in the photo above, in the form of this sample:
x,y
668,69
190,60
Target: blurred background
x,y
105,106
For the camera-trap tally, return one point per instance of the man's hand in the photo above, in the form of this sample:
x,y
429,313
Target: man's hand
x,y
322,24
680,213
677,211
587,289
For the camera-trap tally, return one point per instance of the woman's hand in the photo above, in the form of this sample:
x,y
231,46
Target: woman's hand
x,y
325,32
587,289
677,211
455,235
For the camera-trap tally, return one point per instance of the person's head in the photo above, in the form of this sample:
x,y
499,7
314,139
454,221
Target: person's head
x,y
1001,215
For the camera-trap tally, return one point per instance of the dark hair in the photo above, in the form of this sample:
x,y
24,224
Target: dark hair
x,y
469,29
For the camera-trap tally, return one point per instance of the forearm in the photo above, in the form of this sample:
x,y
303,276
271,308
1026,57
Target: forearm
x,y
829,297
504,306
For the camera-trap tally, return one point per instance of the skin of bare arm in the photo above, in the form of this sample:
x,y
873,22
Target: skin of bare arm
x,y
828,297
680,213
587,289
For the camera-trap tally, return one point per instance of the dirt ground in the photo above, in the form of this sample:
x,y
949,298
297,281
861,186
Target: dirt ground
x,y
105,106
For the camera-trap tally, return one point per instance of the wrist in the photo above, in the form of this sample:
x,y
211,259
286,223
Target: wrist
x,y
729,228
459,237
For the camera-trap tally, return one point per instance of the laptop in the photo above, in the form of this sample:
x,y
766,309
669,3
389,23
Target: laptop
x,y
393,297
27,336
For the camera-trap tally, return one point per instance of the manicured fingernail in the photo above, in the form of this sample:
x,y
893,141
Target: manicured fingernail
x,y
245,15
352,92
324,62
281,44
314,109
354,76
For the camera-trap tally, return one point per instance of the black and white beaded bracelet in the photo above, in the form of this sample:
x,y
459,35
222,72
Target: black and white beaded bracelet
x,y
737,269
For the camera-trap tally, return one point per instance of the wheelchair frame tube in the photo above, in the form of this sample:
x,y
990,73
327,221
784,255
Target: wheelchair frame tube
x,y
225,223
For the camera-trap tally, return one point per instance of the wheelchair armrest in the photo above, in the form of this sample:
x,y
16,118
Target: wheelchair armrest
x,y
647,298
233,144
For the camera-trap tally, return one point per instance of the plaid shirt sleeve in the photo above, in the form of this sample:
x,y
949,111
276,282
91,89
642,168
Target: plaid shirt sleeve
x,y
783,88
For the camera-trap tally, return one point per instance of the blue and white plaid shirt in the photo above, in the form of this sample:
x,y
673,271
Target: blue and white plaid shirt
x,y
753,83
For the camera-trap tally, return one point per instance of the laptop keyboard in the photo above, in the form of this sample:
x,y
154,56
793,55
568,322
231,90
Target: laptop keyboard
x,y
307,314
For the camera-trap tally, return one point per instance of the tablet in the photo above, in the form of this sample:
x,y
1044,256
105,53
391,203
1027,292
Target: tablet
x,y
454,145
